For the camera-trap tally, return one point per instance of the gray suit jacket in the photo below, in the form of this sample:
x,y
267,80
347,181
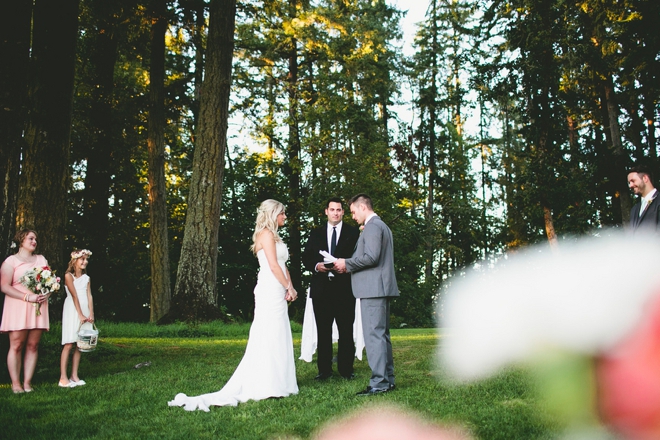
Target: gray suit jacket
x,y
372,263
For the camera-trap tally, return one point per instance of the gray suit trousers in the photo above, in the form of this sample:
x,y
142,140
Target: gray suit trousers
x,y
376,329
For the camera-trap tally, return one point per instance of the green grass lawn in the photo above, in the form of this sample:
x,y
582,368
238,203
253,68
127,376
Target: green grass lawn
x,y
124,402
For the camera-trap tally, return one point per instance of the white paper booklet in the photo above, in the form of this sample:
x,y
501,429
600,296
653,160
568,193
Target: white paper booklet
x,y
327,257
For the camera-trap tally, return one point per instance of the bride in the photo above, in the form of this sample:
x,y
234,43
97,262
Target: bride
x,y
267,368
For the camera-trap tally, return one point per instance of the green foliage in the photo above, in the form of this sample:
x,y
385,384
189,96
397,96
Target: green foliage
x,y
415,306
455,225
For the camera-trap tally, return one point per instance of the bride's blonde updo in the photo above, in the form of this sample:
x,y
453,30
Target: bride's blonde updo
x,y
267,219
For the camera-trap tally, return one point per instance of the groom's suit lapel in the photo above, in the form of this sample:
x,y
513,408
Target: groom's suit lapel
x,y
641,217
635,214
638,218
357,242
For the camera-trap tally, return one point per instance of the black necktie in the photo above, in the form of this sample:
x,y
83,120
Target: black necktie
x,y
333,241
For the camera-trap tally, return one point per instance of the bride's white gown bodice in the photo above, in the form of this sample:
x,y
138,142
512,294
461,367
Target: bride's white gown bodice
x,y
267,368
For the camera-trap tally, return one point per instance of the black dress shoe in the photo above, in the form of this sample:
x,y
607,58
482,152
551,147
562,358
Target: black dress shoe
x,y
323,376
392,386
349,377
369,391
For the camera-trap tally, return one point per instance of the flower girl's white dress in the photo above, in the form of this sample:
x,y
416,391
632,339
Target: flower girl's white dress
x,y
267,368
70,321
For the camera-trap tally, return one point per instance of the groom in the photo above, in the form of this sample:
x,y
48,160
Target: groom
x,y
374,282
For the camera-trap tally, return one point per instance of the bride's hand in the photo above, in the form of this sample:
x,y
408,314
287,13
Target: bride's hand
x,y
291,294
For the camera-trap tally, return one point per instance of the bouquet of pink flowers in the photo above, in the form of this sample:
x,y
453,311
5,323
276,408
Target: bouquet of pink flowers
x,y
42,281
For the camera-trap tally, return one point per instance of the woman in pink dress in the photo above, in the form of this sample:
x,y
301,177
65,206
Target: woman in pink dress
x,y
19,317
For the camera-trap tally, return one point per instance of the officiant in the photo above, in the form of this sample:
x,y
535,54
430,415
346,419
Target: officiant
x,y
331,293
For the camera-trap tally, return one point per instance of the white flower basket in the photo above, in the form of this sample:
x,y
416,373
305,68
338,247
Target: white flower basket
x,y
87,338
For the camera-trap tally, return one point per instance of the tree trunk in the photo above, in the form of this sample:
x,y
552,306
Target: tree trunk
x,y
550,227
573,144
649,116
15,24
620,157
515,220
196,291
198,41
100,160
293,167
159,247
44,177
430,206
636,129
14,58
545,80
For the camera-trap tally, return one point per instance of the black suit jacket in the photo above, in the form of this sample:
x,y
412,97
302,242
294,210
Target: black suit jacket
x,y
649,220
340,286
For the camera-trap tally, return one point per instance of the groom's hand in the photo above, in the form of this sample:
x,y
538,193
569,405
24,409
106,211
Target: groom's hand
x,y
340,265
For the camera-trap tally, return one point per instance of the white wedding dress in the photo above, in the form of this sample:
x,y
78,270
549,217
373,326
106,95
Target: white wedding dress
x,y
267,368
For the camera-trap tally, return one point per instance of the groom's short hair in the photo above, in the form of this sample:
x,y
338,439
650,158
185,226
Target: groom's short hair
x,y
643,171
333,200
362,199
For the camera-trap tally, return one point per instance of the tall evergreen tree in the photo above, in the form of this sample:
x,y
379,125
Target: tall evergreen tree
x,y
159,247
104,25
440,68
14,53
44,179
196,290
292,166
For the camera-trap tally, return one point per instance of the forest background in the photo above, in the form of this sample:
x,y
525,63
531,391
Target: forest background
x,y
114,135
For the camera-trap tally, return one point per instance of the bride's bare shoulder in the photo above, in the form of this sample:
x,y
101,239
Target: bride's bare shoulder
x,y
263,240
264,236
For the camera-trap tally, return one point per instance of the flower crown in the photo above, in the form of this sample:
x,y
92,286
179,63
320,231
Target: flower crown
x,y
81,253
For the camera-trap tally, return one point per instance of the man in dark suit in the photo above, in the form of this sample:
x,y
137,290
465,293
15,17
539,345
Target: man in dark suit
x,y
644,214
374,282
331,292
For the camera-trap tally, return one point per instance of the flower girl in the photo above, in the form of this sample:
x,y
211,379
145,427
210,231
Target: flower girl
x,y
78,308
